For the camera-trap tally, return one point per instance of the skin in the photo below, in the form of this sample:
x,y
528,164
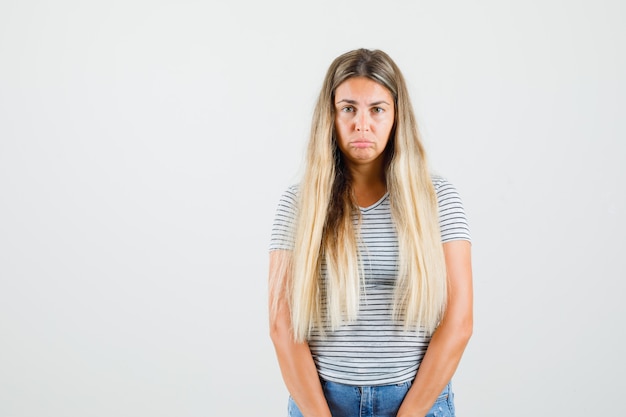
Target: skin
x,y
294,359
364,118
450,339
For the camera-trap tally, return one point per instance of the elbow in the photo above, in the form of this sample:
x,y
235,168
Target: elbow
x,y
466,330
459,330
279,332
275,332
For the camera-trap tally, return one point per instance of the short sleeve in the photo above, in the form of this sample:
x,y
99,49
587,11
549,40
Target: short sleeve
x,y
283,228
452,220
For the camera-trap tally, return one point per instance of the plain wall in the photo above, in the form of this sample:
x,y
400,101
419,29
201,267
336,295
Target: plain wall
x,y
144,146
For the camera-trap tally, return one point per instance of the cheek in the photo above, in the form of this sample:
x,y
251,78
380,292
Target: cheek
x,y
340,130
386,128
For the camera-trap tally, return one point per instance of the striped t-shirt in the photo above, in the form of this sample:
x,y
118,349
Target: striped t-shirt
x,y
374,349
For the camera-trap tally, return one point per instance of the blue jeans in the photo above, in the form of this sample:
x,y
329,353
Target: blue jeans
x,y
376,401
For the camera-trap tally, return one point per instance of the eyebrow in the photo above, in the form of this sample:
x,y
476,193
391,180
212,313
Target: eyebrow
x,y
349,101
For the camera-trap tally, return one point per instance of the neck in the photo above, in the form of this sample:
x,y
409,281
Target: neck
x,y
368,183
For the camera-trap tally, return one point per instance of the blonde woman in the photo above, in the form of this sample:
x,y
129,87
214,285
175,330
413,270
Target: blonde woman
x,y
370,272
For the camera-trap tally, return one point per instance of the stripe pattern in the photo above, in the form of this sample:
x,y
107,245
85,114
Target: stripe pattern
x,y
375,349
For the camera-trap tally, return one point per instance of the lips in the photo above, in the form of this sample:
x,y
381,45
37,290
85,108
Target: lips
x,y
361,143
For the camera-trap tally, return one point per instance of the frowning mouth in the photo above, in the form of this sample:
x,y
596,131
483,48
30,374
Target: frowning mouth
x,y
361,143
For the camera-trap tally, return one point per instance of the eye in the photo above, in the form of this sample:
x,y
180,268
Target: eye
x,y
347,109
378,110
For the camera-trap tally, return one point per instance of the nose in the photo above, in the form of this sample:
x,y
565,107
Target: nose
x,y
362,122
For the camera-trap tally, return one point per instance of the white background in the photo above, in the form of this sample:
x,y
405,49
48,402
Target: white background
x,y
144,145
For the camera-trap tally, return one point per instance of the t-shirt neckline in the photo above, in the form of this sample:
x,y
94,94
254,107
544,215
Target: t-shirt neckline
x,y
376,204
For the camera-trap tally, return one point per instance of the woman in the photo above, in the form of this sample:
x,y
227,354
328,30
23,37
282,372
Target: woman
x,y
370,270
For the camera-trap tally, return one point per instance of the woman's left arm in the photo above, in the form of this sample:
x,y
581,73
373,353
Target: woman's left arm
x,y
450,339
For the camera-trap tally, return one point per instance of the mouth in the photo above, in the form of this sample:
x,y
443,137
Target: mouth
x,y
361,143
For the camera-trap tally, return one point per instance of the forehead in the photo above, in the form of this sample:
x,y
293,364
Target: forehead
x,y
362,88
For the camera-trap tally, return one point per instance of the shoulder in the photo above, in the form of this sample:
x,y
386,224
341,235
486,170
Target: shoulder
x,y
445,190
441,184
290,195
452,218
288,201
284,220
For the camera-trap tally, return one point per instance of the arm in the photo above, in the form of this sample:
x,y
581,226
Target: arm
x,y
449,340
295,360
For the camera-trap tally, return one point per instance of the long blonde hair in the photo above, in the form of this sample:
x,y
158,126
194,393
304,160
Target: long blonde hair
x,y
325,227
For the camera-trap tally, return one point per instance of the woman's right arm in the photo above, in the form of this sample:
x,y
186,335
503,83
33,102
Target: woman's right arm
x,y
295,360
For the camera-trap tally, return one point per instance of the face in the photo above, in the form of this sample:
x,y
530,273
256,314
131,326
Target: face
x,y
364,117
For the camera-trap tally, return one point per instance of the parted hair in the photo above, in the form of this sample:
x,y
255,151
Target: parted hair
x,y
327,220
